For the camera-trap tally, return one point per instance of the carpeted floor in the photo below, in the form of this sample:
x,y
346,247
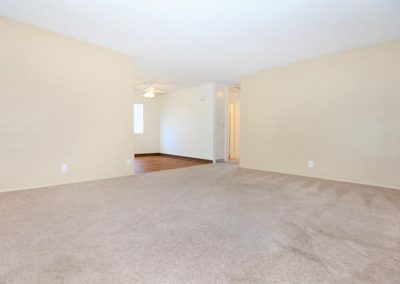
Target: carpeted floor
x,y
204,224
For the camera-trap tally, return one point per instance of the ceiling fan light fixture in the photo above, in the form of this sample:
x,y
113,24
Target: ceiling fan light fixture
x,y
149,95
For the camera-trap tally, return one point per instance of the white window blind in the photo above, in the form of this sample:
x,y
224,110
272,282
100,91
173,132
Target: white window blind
x,y
138,123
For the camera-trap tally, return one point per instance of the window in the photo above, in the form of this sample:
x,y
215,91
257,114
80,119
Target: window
x,y
138,119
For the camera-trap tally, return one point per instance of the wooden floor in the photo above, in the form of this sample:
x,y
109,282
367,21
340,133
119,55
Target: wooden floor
x,y
145,164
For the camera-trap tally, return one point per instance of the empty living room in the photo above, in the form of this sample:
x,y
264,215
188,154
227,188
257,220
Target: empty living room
x,y
231,141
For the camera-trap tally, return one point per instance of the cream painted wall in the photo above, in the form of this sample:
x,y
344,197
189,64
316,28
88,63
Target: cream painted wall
x,y
220,123
149,141
234,130
234,123
341,111
187,122
61,101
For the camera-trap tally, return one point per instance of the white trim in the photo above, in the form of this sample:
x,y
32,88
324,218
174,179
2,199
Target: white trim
x,y
60,184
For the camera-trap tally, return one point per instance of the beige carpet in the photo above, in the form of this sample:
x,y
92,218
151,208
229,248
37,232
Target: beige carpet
x,y
205,224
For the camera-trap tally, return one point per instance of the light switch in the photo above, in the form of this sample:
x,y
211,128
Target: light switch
x,y
64,168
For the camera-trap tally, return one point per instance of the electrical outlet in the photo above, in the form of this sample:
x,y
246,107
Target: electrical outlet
x,y
310,164
64,168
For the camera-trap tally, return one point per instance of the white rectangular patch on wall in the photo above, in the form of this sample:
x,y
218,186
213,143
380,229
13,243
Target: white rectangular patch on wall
x,y
138,119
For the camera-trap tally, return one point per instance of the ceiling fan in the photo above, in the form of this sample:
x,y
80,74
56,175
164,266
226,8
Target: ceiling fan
x,y
150,91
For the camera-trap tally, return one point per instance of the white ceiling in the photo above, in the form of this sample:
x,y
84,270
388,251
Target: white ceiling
x,y
194,41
